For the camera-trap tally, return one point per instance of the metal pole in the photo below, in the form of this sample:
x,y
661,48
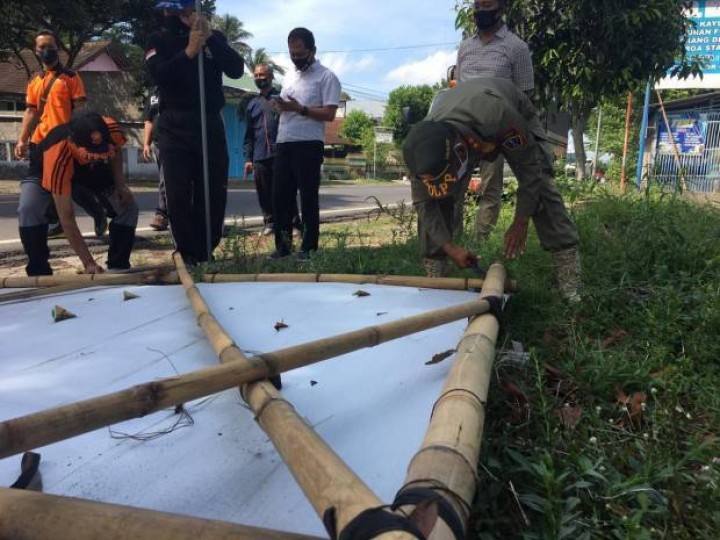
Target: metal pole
x,y
204,137
597,140
628,114
374,153
643,134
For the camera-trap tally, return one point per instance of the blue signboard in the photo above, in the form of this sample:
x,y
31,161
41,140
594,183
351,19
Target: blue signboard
x,y
688,131
703,44
704,39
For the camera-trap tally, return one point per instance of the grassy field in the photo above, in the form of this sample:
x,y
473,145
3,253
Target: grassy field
x,y
603,417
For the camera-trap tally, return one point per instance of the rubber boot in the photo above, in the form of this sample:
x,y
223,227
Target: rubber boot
x,y
436,268
566,265
34,241
122,238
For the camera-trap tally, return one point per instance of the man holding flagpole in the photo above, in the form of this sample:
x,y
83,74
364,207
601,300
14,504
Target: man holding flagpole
x,y
172,57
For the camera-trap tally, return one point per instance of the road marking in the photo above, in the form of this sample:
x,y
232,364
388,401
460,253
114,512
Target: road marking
x,y
251,221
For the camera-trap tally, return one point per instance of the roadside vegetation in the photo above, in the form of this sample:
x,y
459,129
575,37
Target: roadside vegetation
x,y
603,417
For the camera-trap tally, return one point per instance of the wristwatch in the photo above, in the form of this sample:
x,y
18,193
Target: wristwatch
x,y
304,111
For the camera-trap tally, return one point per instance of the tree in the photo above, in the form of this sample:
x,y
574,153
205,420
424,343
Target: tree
x,y
76,23
254,58
234,30
416,99
585,50
355,125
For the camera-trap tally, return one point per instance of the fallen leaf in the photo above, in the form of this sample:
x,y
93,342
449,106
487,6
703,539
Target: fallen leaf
x,y
280,325
313,383
127,295
439,357
570,416
379,313
513,391
360,293
615,337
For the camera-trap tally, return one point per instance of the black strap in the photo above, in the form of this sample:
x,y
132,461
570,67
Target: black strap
x,y
369,524
496,307
43,99
446,510
29,466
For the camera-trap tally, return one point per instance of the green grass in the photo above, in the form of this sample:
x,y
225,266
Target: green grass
x,y
608,426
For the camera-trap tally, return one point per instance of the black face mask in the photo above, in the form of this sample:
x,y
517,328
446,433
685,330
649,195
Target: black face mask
x,y
301,64
486,19
262,84
48,56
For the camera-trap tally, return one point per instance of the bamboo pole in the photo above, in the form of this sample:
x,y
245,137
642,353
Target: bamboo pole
x,y
45,291
90,280
59,423
421,282
676,153
26,515
448,457
328,483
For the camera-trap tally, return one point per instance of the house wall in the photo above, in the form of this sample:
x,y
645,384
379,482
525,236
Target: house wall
x,y
101,63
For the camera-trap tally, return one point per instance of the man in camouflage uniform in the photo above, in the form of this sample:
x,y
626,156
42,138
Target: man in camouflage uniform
x,y
476,121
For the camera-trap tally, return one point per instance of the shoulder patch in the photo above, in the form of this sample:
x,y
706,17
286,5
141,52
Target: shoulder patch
x,y
513,138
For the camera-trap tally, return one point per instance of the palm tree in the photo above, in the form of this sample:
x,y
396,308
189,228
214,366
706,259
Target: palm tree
x,y
234,31
260,56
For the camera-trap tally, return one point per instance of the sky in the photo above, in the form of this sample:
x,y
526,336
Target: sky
x,y
373,46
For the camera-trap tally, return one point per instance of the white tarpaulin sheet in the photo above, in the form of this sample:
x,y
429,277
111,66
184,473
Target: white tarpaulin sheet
x,y
372,406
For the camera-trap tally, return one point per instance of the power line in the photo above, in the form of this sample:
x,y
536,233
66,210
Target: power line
x,y
423,46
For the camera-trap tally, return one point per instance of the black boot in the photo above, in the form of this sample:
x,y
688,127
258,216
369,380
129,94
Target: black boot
x,y
122,238
34,241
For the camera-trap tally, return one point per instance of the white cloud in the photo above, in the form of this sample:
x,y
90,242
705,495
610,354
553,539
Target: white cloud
x,y
429,70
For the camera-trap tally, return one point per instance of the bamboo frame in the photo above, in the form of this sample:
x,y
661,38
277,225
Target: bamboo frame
x,y
26,515
148,277
448,457
171,278
324,478
59,423
421,282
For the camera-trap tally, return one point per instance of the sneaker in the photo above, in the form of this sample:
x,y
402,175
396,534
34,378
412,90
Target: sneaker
x,y
278,254
303,256
55,230
101,225
159,222
267,231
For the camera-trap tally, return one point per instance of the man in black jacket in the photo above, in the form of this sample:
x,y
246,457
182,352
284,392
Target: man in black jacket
x,y
172,60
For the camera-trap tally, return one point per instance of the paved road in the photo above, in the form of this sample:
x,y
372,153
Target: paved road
x,y
242,205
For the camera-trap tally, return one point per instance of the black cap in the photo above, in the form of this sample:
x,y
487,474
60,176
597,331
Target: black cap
x,y
88,130
428,150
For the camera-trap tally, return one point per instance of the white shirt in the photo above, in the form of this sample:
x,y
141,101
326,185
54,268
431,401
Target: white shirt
x,y
317,86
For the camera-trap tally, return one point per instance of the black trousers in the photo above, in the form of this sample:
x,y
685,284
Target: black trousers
x,y
263,175
182,161
297,168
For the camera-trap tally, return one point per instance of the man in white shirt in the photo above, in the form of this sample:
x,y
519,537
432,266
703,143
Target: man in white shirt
x,y
309,98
